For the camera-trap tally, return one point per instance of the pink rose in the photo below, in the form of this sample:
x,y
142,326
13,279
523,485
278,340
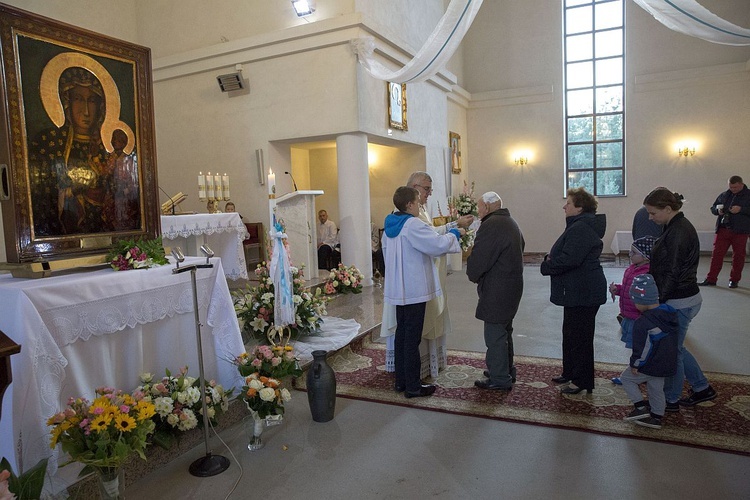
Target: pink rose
x,y
275,361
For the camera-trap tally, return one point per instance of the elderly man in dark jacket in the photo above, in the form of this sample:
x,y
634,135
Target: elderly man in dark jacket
x,y
496,266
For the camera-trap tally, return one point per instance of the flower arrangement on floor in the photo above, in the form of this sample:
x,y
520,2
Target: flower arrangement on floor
x,y
264,395
102,434
344,279
254,306
177,403
463,204
270,361
141,254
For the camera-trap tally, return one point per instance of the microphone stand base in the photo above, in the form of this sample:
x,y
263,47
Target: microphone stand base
x,y
208,466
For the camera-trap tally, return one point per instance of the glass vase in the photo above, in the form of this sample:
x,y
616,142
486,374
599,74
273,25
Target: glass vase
x,y
111,482
254,426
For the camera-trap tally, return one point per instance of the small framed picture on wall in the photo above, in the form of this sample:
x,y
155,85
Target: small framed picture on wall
x,y
397,106
455,143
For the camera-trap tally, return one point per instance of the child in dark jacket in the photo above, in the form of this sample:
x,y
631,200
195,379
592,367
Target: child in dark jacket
x,y
654,353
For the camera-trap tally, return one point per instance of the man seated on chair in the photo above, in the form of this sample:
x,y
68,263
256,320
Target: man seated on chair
x,y
328,239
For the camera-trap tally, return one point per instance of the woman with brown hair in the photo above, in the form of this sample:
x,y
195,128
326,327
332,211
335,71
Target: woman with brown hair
x,y
674,266
578,285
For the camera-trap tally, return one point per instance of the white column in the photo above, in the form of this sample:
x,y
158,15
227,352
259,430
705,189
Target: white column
x,y
354,203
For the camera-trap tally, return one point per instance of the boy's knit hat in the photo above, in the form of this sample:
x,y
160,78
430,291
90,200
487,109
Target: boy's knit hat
x,y
644,245
643,290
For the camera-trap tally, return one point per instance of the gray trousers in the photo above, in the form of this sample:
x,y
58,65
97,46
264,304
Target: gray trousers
x,y
496,338
654,386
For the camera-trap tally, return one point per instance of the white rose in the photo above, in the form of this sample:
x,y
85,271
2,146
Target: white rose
x,y
255,384
146,378
173,419
211,412
267,394
286,395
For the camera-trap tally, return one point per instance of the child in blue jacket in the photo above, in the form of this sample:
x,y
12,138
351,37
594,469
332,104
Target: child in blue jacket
x,y
654,353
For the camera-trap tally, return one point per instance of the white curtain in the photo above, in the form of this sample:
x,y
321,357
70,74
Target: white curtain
x,y
433,55
690,18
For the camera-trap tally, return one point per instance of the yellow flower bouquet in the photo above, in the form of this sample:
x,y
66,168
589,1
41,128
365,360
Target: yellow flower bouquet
x,y
102,434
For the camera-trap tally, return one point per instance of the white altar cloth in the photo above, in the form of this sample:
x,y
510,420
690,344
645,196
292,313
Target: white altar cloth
x,y
224,233
334,334
104,328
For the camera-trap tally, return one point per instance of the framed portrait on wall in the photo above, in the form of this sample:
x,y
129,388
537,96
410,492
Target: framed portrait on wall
x,y
454,140
77,141
397,106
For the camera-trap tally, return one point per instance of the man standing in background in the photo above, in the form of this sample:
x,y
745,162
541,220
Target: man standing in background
x,y
732,211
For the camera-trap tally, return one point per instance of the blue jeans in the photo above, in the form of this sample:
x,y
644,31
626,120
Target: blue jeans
x,y
687,366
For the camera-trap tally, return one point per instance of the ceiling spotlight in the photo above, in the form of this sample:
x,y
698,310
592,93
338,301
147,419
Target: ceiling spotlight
x,y
303,7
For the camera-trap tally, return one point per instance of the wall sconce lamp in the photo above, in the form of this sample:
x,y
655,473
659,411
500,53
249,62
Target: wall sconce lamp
x,y
303,7
521,160
685,150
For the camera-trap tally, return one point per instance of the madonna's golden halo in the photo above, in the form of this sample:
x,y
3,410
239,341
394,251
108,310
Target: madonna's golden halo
x,y
48,86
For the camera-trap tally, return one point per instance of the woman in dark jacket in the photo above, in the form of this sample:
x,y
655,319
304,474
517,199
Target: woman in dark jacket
x,y
578,284
674,266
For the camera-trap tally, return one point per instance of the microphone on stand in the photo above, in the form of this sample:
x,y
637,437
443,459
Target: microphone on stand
x,y
293,183
169,199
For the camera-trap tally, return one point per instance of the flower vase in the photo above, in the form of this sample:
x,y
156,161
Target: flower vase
x,y
111,482
254,428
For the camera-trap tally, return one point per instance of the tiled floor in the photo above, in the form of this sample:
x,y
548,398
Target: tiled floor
x,y
373,450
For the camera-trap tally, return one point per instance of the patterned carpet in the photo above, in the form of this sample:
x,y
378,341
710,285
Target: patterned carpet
x,y
722,424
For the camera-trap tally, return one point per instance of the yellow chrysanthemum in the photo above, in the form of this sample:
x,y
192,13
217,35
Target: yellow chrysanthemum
x,y
124,422
128,399
100,407
101,422
145,409
56,433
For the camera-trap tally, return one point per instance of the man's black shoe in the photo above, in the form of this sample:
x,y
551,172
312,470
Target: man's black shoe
x,y
672,407
707,283
425,390
733,284
486,384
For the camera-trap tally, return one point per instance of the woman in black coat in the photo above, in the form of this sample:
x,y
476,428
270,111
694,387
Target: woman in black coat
x,y
578,284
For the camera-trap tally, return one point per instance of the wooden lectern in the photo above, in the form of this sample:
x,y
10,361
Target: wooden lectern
x,y
297,210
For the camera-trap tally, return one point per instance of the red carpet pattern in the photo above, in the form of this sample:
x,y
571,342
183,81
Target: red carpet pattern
x,y
722,424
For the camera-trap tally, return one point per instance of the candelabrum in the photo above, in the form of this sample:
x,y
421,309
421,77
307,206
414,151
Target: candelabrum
x,y
213,187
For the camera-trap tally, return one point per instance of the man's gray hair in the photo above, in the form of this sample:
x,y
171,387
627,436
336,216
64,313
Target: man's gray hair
x,y
492,197
418,176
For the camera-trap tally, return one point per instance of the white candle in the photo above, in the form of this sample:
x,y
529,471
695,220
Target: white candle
x,y
271,196
210,193
201,186
217,187
225,186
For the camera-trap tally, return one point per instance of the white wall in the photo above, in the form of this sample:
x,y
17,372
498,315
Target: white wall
x,y
677,87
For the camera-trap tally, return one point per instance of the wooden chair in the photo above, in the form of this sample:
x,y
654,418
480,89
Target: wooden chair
x,y
254,245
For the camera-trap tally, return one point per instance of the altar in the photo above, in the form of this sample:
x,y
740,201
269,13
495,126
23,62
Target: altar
x,y
224,233
104,328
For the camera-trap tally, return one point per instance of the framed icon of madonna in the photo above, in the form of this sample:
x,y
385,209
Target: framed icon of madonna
x,y
77,152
